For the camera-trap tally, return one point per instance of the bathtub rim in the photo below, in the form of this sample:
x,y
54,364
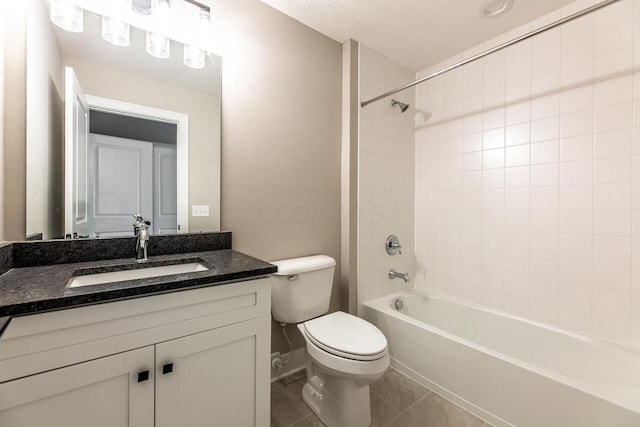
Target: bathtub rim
x,y
614,395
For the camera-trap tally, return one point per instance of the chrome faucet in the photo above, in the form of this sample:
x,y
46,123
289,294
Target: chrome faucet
x,y
393,274
141,228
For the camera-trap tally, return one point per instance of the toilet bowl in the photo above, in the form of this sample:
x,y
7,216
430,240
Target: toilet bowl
x,y
343,353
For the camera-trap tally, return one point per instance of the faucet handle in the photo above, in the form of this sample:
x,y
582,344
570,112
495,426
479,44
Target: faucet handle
x,y
393,246
141,222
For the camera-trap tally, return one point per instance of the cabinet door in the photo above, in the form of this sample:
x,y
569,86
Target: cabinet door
x,y
100,393
218,377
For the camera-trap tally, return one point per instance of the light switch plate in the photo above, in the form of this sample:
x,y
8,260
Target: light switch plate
x,y
200,210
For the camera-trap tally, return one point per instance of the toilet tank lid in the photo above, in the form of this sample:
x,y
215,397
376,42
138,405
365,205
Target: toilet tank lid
x,y
304,264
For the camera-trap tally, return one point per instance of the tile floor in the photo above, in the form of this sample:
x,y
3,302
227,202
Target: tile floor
x,y
396,401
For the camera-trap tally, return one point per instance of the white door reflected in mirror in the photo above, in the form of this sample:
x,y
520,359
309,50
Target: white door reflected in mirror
x,y
120,182
110,177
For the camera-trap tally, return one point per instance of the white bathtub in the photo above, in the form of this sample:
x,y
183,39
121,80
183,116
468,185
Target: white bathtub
x,y
506,370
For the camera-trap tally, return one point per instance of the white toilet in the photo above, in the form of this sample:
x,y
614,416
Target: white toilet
x,y
344,354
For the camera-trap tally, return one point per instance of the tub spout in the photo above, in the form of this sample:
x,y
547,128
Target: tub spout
x,y
393,274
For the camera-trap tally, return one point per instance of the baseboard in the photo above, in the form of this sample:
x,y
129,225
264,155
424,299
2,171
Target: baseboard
x,y
296,364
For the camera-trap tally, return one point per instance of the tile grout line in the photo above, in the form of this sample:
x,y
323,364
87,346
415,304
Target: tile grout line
x,y
428,392
302,419
409,407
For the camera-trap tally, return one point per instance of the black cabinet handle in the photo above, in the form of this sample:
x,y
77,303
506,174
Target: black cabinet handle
x,y
143,376
167,369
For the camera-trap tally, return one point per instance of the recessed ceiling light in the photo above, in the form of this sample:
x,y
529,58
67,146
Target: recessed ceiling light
x,y
496,8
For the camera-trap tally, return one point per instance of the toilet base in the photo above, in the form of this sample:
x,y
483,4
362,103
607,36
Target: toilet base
x,y
338,402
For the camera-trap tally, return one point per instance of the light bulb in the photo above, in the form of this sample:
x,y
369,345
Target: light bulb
x,y
193,57
194,53
142,7
203,26
160,9
67,15
158,45
115,31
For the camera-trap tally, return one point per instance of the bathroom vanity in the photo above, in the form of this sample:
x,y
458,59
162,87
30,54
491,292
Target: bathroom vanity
x,y
172,350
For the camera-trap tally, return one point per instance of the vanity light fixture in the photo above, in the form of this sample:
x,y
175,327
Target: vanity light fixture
x,y
193,56
143,7
161,10
187,22
193,53
115,31
66,15
158,45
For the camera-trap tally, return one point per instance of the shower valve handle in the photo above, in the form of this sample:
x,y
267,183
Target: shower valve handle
x,y
393,246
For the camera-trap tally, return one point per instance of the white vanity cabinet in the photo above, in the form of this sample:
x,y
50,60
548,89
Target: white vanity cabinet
x,y
192,358
100,393
213,378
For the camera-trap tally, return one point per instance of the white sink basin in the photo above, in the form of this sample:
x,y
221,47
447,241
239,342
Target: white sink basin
x,y
140,273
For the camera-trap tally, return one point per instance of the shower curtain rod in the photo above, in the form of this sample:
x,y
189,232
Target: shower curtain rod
x,y
493,50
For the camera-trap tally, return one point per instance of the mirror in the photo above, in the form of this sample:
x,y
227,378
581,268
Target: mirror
x,y
153,133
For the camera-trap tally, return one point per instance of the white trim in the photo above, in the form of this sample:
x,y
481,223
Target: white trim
x,y
182,149
75,99
68,155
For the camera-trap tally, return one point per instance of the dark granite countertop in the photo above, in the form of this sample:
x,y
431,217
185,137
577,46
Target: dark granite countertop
x,y
39,288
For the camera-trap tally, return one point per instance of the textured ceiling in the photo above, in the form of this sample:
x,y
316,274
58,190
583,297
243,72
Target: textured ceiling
x,y
414,33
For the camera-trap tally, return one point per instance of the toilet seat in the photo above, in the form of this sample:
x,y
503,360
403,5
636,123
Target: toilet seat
x,y
347,336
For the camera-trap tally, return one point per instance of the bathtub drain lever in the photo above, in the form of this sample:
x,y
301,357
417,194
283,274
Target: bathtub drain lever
x,y
393,274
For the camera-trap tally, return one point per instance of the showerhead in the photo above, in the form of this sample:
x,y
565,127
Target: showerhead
x,y
403,107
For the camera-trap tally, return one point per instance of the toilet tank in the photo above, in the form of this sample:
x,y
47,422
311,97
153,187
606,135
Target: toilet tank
x,y
301,289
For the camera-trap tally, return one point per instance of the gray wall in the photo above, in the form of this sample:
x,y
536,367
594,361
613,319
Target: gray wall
x,y
281,137
45,126
13,161
2,14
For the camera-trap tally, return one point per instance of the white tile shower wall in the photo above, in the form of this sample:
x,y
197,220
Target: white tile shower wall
x,y
528,176
386,177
